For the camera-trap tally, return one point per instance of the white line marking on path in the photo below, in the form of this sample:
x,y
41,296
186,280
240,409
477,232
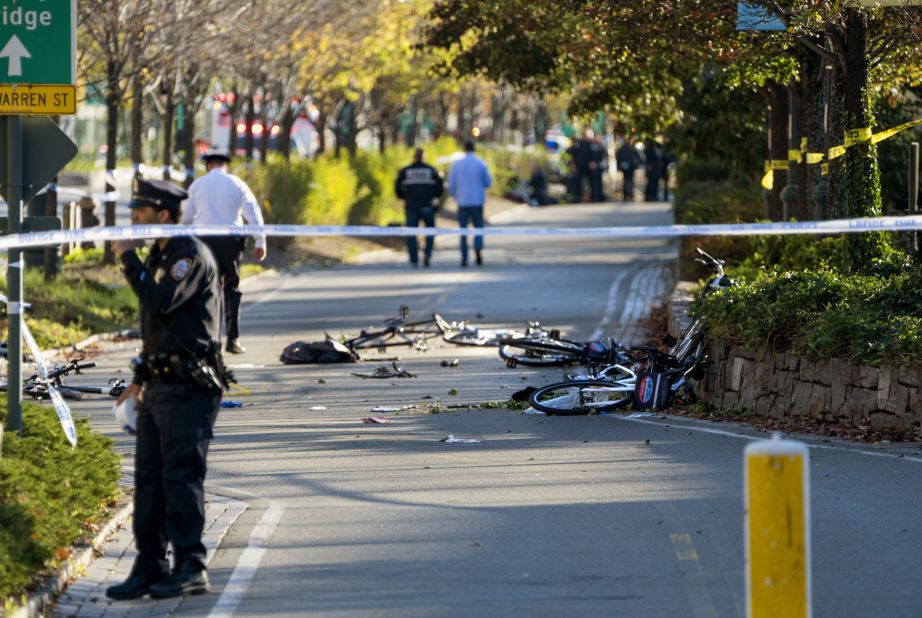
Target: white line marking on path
x,y
731,434
610,305
248,564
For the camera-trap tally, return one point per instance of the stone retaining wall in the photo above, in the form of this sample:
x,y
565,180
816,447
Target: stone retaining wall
x,y
782,385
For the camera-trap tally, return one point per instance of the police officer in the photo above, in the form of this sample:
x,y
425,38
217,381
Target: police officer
x,y
178,387
220,198
420,186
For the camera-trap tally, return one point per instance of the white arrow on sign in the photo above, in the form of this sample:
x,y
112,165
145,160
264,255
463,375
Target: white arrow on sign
x,y
15,51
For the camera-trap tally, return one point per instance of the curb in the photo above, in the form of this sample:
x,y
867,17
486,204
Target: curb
x,y
43,598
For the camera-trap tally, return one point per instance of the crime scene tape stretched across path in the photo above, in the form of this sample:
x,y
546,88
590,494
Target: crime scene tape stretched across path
x,y
837,226
60,407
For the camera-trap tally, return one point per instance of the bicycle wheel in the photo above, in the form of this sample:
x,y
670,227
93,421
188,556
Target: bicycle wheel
x,y
582,397
532,352
688,347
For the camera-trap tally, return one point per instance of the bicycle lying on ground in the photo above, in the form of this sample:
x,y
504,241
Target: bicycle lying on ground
x,y
36,386
651,380
463,333
543,348
395,332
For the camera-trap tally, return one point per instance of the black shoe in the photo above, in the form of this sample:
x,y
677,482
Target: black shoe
x,y
463,263
426,261
235,347
180,583
414,264
135,587
478,257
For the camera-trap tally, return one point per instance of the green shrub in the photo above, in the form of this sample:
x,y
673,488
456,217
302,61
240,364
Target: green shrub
x,y
72,306
50,493
822,313
333,193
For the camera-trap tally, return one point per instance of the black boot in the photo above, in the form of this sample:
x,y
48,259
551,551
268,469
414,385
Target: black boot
x,y
135,587
183,581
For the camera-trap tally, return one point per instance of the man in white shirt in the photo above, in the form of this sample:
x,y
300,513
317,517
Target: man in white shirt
x,y
220,198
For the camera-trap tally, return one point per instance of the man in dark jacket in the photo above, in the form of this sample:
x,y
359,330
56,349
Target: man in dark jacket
x,y
628,160
420,186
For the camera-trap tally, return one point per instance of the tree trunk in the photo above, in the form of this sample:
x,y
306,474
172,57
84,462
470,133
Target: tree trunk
x,y
249,116
862,176
137,124
283,141
352,132
540,127
113,98
321,128
778,145
168,114
412,124
186,143
233,111
836,177
267,133
813,184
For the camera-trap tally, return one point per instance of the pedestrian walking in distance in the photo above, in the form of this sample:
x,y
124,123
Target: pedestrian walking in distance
x,y
220,198
468,180
420,186
177,383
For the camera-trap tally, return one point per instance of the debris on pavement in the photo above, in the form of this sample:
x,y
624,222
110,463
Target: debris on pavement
x,y
327,351
640,415
530,410
231,404
318,408
451,439
387,372
523,394
452,363
376,419
382,409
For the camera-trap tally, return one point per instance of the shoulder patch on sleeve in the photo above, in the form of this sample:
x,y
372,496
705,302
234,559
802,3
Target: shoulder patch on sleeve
x,y
180,269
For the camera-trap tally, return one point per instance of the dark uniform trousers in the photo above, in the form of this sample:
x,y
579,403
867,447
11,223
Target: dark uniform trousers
x,y
228,253
175,423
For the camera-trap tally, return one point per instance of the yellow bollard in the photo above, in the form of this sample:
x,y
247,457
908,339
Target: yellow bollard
x,y
777,503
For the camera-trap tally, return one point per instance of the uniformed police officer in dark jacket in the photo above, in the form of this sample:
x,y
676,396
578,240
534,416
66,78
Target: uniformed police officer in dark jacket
x,y
420,186
178,384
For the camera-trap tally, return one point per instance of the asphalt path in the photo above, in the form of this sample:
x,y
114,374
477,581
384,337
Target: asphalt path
x,y
544,516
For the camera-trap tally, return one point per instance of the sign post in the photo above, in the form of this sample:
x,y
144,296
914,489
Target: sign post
x,y
38,52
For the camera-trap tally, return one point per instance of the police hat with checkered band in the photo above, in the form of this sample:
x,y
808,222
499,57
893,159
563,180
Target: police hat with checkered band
x,y
160,194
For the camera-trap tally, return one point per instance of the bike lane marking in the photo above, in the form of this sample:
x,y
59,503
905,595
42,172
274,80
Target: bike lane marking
x,y
732,434
248,563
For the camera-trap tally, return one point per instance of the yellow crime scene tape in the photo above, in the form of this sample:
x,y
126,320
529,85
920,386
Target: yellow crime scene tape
x,y
852,138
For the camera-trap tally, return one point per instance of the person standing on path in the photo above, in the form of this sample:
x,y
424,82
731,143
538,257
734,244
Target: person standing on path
x,y
628,160
420,186
468,180
220,198
177,385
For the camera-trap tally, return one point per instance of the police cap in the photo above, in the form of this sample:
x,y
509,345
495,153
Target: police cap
x,y
216,154
160,194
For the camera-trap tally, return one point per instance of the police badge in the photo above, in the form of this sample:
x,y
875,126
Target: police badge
x,y
180,269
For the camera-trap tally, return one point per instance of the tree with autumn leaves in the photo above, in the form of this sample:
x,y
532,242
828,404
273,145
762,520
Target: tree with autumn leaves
x,y
635,59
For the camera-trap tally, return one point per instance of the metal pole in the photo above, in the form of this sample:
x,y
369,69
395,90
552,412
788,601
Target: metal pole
x,y
914,189
14,273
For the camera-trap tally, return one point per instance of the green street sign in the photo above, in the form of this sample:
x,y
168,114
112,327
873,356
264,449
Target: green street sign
x,y
38,42
45,150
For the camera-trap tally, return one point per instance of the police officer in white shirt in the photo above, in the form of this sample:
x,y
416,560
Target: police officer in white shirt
x,y
220,198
